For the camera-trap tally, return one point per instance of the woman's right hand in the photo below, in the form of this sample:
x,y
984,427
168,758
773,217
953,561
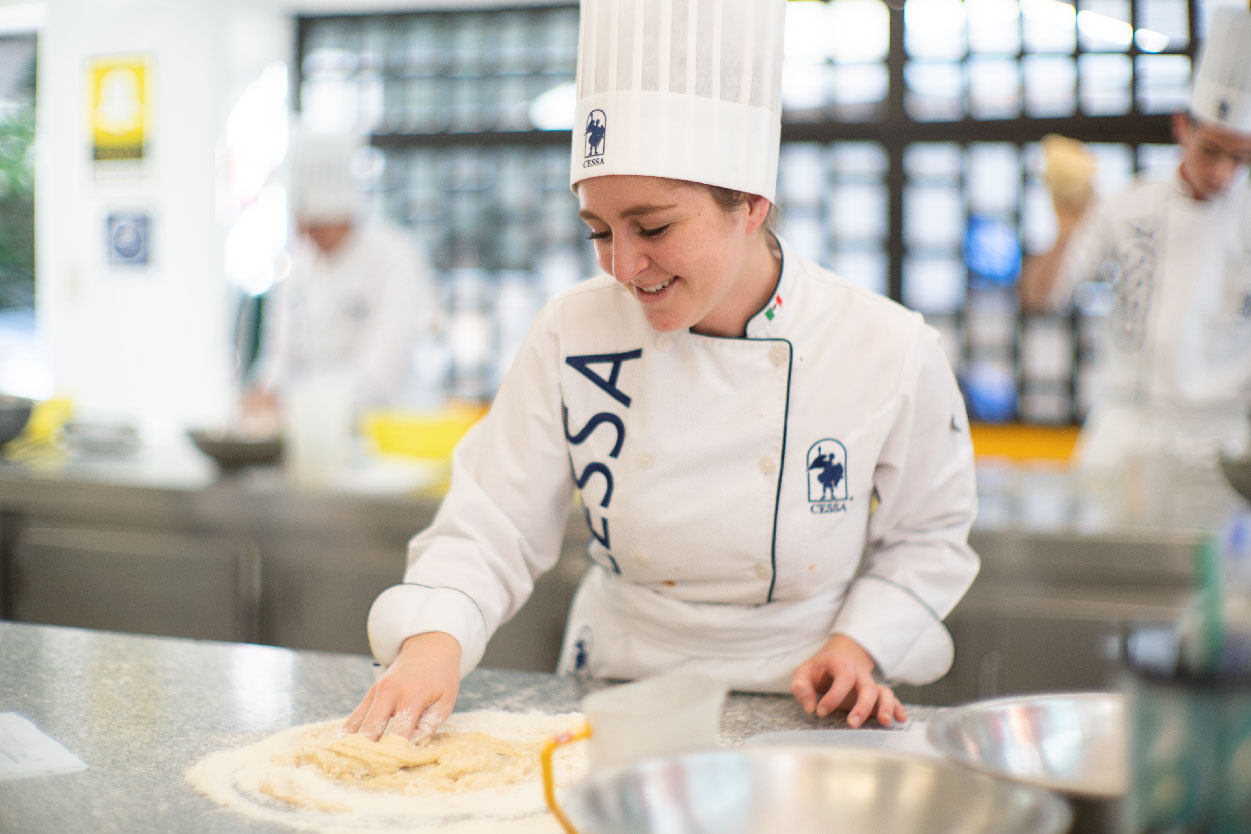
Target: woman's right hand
x,y
416,693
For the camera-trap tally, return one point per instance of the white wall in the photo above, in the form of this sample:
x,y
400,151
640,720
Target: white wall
x,y
147,344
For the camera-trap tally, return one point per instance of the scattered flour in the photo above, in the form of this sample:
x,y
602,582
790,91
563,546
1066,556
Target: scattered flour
x,y
479,775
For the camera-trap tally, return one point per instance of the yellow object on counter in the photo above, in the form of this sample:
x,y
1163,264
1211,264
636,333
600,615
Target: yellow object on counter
x,y
429,435
1023,442
46,418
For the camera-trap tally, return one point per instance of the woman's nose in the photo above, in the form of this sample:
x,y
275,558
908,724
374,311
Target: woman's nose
x,y
628,261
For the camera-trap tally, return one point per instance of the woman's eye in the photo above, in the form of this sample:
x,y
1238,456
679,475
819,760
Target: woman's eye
x,y
656,232
594,235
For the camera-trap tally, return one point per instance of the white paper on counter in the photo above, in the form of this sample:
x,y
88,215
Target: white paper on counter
x,y
908,737
26,751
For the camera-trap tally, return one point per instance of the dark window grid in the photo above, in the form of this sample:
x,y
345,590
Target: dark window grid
x,y
894,131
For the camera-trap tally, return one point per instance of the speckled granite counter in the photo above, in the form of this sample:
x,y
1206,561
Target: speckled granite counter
x,y
140,710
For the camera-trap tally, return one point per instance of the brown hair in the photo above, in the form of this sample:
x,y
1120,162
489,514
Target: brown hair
x,y
730,200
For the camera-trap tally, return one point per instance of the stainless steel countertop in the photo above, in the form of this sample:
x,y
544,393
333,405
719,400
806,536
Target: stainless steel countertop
x,y
140,710
1043,499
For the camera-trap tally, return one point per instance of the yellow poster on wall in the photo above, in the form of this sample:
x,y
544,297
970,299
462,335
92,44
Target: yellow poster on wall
x,y
118,106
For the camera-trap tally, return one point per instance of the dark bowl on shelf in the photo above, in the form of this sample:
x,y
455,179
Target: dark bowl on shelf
x,y
1238,473
14,414
232,450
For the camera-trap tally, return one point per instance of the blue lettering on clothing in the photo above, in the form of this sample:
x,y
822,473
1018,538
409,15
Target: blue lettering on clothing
x,y
591,425
586,366
582,364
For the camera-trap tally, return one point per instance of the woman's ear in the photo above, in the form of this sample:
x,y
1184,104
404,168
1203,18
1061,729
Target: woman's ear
x,y
757,211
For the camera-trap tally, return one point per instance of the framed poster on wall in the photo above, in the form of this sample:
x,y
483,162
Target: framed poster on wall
x,y
119,107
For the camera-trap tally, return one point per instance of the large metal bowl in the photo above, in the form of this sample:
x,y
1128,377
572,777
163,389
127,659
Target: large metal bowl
x,y
808,790
1074,743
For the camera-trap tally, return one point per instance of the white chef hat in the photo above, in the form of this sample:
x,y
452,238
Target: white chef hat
x,y
684,89
322,183
1222,85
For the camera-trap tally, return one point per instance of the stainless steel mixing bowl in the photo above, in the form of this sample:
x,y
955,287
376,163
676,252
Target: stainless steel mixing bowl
x,y
1074,743
808,790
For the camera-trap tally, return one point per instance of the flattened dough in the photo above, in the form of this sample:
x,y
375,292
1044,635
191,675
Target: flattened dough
x,y
478,775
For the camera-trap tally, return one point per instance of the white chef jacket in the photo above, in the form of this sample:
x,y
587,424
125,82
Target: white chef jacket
x,y
357,311
746,497
1173,373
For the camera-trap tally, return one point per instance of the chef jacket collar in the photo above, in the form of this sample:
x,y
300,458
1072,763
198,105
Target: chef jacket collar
x,y
771,321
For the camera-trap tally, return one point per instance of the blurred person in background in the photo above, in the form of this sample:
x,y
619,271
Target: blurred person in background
x,y
1173,373
360,293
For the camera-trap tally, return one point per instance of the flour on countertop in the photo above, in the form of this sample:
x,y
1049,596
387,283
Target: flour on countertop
x,y
301,778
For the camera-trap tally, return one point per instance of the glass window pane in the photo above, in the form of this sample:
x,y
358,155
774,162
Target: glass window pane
x,y
933,285
803,230
858,160
1050,85
1103,25
1038,219
1114,167
994,88
857,91
1103,84
1158,157
864,267
1048,26
801,174
933,162
858,30
994,27
858,212
933,217
1163,24
934,29
935,91
803,91
1163,83
994,178
806,37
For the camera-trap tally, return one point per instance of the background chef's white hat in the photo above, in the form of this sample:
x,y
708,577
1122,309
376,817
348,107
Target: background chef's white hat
x,y
323,184
685,89
1222,84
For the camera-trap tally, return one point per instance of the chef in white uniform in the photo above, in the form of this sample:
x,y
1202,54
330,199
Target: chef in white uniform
x,y
359,293
1173,379
775,465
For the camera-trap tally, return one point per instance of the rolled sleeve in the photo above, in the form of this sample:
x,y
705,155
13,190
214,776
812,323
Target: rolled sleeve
x,y
905,637
403,611
918,563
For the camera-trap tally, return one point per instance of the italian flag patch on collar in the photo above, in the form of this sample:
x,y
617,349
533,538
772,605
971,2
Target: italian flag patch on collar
x,y
774,306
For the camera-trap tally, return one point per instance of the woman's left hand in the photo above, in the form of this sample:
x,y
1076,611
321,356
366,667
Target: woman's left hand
x,y
840,675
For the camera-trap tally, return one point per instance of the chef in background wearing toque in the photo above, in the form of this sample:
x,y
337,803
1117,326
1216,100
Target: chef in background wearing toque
x,y
360,292
1173,374
775,465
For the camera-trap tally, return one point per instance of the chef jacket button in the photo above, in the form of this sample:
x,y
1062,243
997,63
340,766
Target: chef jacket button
x,y
644,460
779,355
664,344
767,465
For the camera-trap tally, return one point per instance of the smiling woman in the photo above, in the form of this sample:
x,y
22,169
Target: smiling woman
x,y
774,464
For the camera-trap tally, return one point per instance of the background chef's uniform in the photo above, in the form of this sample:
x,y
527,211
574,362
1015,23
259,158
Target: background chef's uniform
x,y
358,310
1173,379
746,497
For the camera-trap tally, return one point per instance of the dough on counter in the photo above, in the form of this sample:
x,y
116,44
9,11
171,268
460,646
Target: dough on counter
x,y
479,773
